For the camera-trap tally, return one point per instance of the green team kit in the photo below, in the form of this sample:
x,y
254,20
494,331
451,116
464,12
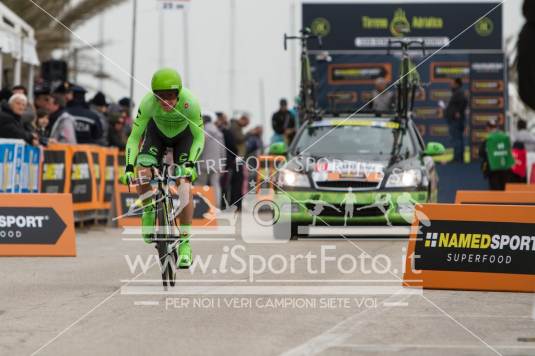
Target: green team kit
x,y
179,127
498,147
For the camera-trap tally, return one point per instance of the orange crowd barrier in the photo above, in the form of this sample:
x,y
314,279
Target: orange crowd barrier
x,y
495,197
519,187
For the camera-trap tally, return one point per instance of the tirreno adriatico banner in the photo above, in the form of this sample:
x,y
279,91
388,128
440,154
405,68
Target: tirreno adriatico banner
x,y
368,26
478,247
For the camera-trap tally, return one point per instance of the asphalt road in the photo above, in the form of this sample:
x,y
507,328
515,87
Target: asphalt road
x,y
94,304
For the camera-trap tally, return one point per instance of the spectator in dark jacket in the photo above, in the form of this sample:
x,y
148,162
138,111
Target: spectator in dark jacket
x,y
10,120
526,56
29,114
99,105
455,115
254,145
88,125
283,124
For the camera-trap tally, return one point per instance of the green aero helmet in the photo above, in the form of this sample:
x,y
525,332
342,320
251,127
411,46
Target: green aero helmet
x,y
166,79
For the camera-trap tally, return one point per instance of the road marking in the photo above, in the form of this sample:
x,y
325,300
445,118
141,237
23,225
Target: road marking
x,y
197,239
159,281
397,281
395,304
147,302
270,290
400,347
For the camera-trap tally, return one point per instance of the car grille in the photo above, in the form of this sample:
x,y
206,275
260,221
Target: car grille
x,y
341,184
330,211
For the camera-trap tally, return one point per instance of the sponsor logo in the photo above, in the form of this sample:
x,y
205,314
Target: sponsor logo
x,y
491,102
153,150
320,27
484,27
428,113
475,246
343,96
25,225
80,171
487,67
53,171
445,71
359,73
400,24
481,119
489,86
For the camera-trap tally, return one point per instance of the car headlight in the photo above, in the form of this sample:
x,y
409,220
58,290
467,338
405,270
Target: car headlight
x,y
402,179
290,178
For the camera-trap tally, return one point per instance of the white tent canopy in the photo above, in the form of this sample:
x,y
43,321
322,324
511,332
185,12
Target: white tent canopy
x,y
17,40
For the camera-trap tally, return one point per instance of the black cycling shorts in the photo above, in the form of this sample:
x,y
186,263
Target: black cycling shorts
x,y
155,144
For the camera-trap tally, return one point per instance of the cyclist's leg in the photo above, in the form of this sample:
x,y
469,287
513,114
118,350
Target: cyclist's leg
x,y
181,146
150,155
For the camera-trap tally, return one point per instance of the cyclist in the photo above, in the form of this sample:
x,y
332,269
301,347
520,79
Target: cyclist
x,y
169,116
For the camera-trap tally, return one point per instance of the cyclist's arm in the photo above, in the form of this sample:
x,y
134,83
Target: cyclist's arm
x,y
197,130
138,128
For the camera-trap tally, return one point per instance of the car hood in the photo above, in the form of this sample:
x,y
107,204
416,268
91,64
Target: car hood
x,y
378,163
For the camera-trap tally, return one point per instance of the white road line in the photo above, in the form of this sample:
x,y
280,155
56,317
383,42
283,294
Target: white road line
x,y
159,281
395,304
147,302
396,281
270,290
193,240
400,347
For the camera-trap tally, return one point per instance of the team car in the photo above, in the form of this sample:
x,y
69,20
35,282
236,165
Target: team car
x,y
358,171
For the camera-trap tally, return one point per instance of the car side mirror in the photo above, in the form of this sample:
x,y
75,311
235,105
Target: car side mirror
x,y
434,149
278,149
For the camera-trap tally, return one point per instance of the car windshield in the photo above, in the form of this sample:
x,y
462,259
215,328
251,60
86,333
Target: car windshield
x,y
351,139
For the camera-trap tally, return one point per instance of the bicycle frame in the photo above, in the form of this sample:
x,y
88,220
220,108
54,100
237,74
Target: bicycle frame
x,y
405,91
308,109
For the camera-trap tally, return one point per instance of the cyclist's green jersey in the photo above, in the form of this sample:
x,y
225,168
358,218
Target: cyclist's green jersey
x,y
186,113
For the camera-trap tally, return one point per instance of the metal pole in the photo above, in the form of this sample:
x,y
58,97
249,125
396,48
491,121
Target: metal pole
x,y
101,58
133,54
31,72
232,71
18,62
1,68
161,34
293,55
261,93
75,65
186,45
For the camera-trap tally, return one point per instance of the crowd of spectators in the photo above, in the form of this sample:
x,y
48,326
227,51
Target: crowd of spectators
x,y
63,115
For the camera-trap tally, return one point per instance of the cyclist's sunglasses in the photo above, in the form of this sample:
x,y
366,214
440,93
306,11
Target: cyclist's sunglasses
x,y
166,94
